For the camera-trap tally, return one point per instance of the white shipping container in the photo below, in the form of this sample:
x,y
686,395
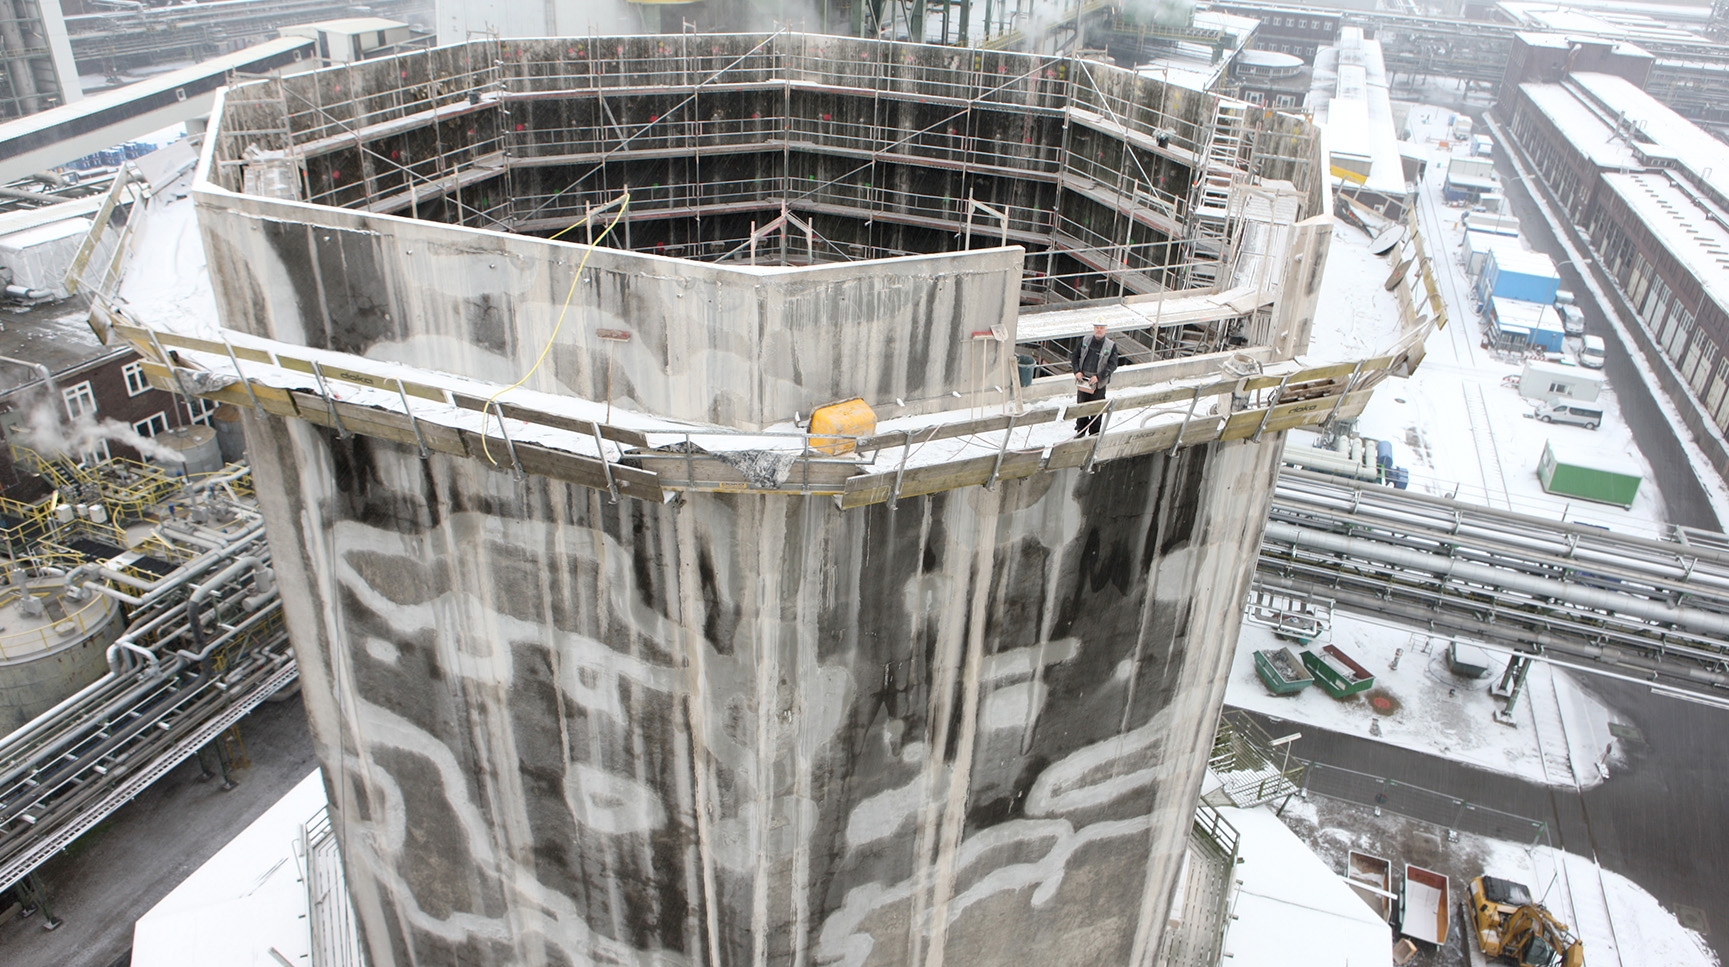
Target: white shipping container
x,y
1542,382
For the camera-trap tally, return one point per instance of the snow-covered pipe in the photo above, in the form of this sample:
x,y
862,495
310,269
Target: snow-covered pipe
x,y
1704,622
1623,556
1611,656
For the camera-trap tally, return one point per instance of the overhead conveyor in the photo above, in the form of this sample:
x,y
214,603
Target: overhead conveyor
x,y
1653,609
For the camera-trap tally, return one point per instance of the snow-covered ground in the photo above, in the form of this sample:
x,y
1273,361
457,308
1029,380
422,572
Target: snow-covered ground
x,y
1619,923
1462,432
1560,734
1454,424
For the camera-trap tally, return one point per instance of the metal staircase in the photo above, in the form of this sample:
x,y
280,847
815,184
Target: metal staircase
x,y
1252,769
1212,202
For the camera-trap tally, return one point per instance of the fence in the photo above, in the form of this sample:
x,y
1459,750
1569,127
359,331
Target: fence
x,y
1423,804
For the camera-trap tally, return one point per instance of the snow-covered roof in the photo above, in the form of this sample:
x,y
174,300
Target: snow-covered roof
x,y
1689,227
242,905
40,234
1349,98
1603,23
1544,38
1521,316
1524,262
1192,65
355,25
1594,458
1582,125
1291,902
1268,58
1505,246
1491,223
1686,141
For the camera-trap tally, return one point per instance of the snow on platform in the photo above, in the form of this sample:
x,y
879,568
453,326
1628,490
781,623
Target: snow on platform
x,y
1292,909
246,906
1355,316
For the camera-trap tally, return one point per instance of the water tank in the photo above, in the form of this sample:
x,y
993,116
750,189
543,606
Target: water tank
x,y
52,645
195,450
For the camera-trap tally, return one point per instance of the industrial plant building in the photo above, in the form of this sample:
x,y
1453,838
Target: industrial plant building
x,y
679,515
1641,184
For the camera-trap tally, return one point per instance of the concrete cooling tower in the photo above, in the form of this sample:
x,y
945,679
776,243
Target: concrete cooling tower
x,y
734,590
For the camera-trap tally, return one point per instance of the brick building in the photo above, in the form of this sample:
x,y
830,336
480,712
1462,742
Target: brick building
x,y
1644,186
1289,30
93,384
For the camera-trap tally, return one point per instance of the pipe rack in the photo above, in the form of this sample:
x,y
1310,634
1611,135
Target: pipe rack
x,y
1655,609
171,689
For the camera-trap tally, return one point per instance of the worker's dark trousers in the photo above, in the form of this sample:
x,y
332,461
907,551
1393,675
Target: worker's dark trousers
x,y
1088,424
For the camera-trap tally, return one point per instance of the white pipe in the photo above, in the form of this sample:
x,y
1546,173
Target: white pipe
x,y
190,535
1704,622
194,627
204,562
253,606
136,649
49,717
118,595
128,640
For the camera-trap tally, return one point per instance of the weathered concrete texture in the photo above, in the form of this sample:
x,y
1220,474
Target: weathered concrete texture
x,y
739,347
757,729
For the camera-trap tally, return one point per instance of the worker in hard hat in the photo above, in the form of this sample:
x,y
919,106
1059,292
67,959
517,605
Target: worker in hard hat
x,y
1094,360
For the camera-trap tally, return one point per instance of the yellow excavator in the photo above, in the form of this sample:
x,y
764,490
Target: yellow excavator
x,y
1513,928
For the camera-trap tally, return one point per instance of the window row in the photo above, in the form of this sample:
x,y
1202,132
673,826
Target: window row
x,y
1300,23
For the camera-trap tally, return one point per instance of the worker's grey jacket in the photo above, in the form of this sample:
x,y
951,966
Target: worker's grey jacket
x,y
1095,357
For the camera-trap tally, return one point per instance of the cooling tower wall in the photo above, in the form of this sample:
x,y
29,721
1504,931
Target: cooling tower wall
x,y
758,729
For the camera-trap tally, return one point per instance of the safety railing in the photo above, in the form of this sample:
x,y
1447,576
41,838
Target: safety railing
x,y
73,625
1212,826
1438,808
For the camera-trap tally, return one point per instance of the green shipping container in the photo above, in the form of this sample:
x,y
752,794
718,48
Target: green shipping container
x,y
1588,479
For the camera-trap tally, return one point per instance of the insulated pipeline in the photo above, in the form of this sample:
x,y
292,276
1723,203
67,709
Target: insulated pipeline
x,y
1393,557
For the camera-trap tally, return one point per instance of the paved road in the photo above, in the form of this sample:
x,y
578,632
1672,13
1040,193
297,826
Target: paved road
x,y
1658,820
1672,470
119,870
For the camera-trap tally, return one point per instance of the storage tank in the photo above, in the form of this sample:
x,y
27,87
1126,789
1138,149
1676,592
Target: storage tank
x,y
197,449
230,437
53,645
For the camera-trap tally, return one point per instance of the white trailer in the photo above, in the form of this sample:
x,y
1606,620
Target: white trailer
x,y
1542,382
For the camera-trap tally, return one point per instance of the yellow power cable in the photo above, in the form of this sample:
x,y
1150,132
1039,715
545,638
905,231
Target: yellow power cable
x,y
492,401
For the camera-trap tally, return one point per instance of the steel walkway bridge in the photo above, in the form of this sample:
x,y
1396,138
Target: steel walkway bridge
x,y
1647,609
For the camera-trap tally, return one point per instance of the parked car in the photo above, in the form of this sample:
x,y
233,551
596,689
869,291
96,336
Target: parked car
x,y
1570,411
1592,354
1572,320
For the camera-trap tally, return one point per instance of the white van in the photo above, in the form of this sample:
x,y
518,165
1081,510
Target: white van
x,y
1587,415
1572,320
1592,355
